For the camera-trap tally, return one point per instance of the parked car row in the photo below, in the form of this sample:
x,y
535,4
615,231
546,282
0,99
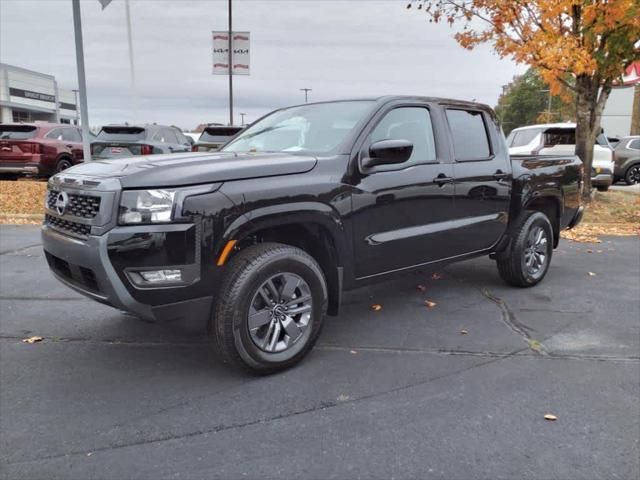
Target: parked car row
x,y
611,163
44,149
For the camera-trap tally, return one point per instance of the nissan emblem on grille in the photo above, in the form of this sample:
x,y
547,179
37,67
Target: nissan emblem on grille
x,y
61,202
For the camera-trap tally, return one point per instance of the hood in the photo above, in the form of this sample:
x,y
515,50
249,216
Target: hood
x,y
178,169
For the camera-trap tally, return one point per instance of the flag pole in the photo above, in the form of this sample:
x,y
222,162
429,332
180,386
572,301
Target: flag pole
x,y
230,65
82,83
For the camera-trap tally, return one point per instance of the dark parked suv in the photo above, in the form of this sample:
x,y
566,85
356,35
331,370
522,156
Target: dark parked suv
x,y
627,160
118,141
38,148
260,240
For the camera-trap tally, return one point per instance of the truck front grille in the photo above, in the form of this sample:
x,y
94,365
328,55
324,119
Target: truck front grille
x,y
67,226
84,206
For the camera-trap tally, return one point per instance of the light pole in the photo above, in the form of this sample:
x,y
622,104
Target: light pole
x,y
82,83
242,119
230,7
306,94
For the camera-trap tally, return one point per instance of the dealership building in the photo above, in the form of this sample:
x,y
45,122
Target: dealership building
x,y
28,96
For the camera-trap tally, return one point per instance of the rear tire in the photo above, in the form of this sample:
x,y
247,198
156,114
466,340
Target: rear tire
x,y
253,323
528,256
633,175
63,164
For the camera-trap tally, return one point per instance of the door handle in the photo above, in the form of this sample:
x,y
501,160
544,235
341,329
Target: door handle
x,y
69,146
442,179
500,175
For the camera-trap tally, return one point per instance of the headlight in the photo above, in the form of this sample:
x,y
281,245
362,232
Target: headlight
x,y
146,206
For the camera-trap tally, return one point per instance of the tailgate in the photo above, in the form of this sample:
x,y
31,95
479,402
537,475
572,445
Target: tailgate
x,y
115,150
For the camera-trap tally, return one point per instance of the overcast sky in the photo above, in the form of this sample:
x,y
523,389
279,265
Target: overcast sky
x,y
340,48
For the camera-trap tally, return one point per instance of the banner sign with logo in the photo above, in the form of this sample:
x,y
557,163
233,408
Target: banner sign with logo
x,y
240,58
43,97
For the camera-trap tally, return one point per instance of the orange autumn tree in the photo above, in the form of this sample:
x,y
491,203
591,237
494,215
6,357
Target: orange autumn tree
x,y
579,45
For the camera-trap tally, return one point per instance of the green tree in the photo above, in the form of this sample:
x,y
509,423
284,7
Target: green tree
x,y
526,101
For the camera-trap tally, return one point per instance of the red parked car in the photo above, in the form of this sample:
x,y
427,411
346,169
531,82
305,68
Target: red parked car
x,y
41,149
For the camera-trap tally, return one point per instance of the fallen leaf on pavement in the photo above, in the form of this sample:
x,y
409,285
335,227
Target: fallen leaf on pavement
x,y
353,352
343,398
430,304
375,307
591,274
589,250
422,288
436,276
464,331
550,417
32,339
534,345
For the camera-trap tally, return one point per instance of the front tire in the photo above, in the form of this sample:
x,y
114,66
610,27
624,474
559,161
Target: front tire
x,y
603,188
527,259
270,308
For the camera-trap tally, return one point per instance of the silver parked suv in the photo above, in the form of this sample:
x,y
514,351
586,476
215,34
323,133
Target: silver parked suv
x,y
117,141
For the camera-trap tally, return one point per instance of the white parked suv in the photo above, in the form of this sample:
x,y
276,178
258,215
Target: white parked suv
x,y
560,139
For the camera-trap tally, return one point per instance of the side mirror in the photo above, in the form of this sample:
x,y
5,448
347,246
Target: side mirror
x,y
388,152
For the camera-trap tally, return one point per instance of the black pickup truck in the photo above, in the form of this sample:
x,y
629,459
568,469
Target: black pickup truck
x,y
260,240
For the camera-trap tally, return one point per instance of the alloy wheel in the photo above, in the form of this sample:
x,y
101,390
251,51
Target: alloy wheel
x,y
535,253
633,175
280,312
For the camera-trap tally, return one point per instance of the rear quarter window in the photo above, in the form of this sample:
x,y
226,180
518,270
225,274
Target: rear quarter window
x,y
635,144
469,135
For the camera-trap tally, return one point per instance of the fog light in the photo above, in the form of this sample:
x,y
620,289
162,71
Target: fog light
x,y
161,276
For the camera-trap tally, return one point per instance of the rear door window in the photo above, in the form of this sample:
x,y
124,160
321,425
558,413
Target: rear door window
x,y
635,144
167,136
469,135
121,134
17,132
71,135
55,134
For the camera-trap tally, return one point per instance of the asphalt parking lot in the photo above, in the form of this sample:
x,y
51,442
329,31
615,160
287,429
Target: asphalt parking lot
x,y
395,393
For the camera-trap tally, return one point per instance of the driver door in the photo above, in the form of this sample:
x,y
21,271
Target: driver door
x,y
400,211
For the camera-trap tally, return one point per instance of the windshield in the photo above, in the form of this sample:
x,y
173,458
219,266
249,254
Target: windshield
x,y
317,128
17,132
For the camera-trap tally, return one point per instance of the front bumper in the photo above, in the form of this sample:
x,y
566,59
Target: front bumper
x,y
602,179
85,266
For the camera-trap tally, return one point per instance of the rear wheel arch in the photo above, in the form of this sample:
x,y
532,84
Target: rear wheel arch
x,y
551,206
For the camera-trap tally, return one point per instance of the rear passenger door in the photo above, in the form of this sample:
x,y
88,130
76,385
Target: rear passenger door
x,y
482,173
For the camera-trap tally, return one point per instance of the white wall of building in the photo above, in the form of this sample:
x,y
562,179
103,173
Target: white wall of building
x,y
30,96
616,118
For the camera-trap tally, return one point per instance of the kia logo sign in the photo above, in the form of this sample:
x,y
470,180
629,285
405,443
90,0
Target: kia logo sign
x,y
62,200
